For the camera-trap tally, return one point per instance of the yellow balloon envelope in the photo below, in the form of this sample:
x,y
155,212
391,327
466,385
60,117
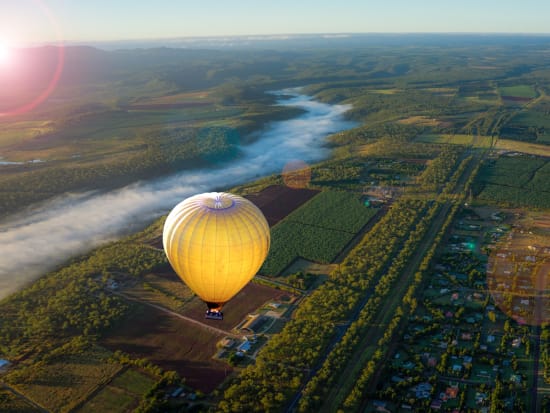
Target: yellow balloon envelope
x,y
216,242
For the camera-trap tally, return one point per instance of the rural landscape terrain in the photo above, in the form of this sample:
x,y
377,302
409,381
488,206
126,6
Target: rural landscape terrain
x,y
409,267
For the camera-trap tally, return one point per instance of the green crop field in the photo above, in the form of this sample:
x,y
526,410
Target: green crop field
x,y
67,380
121,394
109,400
133,382
516,181
530,125
457,139
339,211
520,91
317,231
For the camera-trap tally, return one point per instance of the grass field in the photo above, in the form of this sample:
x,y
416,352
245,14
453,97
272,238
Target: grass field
x,y
162,288
530,125
10,403
65,382
520,91
110,399
102,133
120,395
458,139
16,132
385,91
523,147
184,97
420,120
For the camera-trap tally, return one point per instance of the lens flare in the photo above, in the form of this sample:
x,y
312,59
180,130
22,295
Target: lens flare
x,y
5,53
518,277
296,174
25,104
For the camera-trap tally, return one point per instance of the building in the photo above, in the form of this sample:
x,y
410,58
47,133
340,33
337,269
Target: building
x,y
451,392
227,342
244,347
254,323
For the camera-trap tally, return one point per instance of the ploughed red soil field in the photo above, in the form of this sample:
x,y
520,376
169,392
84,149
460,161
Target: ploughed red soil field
x,y
183,346
246,301
516,98
173,344
277,201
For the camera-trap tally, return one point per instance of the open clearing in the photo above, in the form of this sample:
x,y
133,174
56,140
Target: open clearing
x,y
13,404
524,147
456,139
172,344
122,394
519,91
248,300
65,382
311,267
184,97
422,121
183,346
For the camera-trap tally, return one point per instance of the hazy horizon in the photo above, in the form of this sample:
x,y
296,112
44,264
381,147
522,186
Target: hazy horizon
x,y
289,40
37,21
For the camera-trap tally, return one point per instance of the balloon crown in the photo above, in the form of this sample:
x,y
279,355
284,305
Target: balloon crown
x,y
219,200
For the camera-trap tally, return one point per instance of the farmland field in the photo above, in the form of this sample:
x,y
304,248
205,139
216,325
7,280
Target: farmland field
x,y
110,400
13,404
177,344
458,139
317,231
122,394
277,201
164,288
532,125
524,147
172,344
248,300
516,181
520,91
66,381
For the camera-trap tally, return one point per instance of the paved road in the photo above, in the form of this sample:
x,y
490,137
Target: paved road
x,y
340,331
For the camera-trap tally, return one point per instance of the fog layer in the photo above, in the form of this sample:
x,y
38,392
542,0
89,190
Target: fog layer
x,y
73,224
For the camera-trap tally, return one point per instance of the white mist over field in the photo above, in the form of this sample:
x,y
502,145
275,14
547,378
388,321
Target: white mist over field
x,y
73,224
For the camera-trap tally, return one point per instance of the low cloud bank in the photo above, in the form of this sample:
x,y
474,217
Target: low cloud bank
x,y
73,224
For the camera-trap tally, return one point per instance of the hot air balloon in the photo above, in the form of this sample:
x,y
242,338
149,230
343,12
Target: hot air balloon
x,y
216,242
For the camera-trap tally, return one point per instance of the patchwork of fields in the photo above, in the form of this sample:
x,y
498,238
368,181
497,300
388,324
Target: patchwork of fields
x,y
317,231
521,181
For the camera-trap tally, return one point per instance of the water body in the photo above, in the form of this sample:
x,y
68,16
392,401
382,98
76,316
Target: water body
x,y
73,224
2,162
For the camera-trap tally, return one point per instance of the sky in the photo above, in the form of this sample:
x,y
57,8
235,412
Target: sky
x,y
24,22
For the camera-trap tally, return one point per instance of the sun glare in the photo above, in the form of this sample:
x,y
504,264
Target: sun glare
x,y
5,53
